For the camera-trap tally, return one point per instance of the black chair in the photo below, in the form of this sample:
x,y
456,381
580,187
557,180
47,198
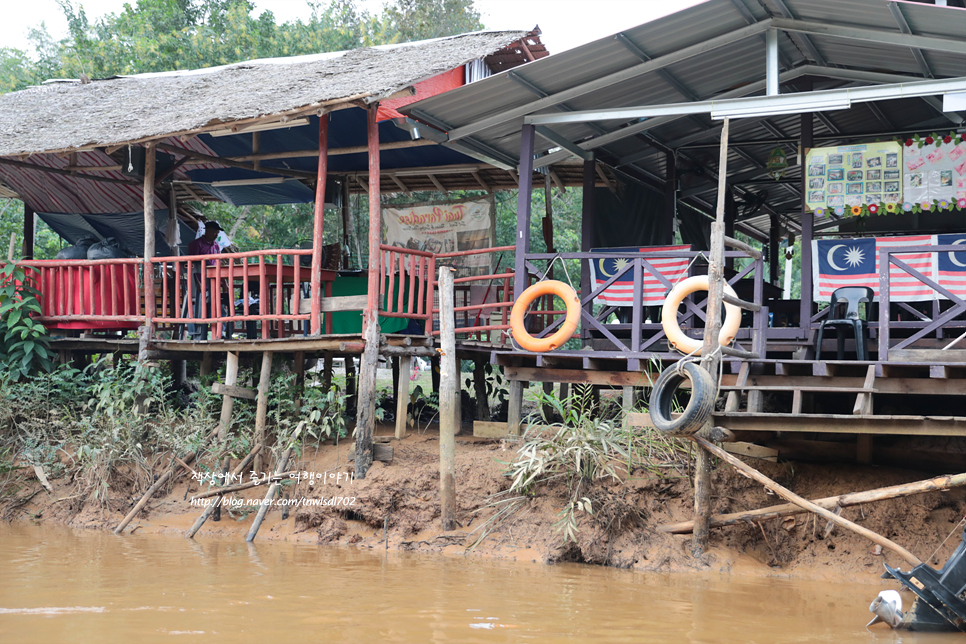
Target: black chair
x,y
845,303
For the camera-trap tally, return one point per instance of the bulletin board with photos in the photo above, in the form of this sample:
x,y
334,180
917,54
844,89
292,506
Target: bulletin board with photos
x,y
853,177
934,172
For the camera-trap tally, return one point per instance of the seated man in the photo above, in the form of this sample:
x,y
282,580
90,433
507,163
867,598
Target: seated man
x,y
204,245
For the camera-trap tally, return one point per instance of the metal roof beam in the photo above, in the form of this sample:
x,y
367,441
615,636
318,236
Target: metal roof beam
x,y
643,126
877,36
807,43
782,104
663,73
557,139
906,29
597,84
880,77
750,19
470,147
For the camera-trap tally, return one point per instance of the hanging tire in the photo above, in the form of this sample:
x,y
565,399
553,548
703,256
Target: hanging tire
x,y
700,407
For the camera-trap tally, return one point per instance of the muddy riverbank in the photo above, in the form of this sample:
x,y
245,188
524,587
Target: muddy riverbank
x,y
396,507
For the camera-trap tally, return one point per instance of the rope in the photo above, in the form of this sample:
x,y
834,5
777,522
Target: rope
x,y
955,528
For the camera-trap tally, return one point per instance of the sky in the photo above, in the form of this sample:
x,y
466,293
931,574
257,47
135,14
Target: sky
x,y
565,23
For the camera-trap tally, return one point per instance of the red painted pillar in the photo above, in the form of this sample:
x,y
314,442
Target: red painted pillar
x,y
370,315
318,226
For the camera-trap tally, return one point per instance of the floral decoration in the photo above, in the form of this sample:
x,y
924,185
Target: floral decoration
x,y
873,208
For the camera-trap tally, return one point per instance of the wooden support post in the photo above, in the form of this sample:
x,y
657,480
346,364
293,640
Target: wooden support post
x,y
366,412
711,356
29,228
702,500
299,364
394,362
317,227
239,470
587,216
791,497
148,281
515,411
434,373
805,310
402,395
269,495
231,378
627,396
670,195
351,384
261,406
327,359
548,408
171,471
448,391
206,363
565,394
479,386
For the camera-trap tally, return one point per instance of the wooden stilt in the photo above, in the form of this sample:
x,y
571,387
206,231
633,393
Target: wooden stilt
x,y
261,406
627,398
327,359
148,269
547,407
479,385
402,396
565,394
206,363
448,407
434,373
791,497
394,361
351,383
299,364
269,496
239,470
171,471
514,416
711,356
227,402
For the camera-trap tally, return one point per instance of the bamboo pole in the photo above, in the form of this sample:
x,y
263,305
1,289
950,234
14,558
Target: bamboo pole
x,y
261,405
448,409
149,300
171,471
790,496
200,521
936,484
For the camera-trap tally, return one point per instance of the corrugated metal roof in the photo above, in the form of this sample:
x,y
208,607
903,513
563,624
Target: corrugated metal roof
x,y
734,67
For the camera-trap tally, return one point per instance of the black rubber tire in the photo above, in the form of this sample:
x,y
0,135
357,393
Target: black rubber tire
x,y
700,407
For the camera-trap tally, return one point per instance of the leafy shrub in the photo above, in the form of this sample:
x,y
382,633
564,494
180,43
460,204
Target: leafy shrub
x,y
24,343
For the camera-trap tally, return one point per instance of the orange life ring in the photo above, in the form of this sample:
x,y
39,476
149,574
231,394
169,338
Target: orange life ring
x,y
669,316
549,287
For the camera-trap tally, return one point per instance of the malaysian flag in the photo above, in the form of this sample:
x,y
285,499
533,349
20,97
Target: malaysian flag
x,y
621,292
952,266
855,262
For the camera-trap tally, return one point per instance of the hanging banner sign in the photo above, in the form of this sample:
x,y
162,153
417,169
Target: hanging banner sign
x,y
445,227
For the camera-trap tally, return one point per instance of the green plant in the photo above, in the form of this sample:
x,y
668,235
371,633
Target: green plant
x,y
24,342
497,389
325,413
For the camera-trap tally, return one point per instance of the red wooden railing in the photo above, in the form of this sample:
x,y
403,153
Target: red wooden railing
x,y
99,293
500,284
409,273
230,278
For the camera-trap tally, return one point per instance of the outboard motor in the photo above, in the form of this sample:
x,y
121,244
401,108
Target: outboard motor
x,y
940,603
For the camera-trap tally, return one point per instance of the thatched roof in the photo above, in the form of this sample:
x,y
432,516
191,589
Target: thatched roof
x,y
70,115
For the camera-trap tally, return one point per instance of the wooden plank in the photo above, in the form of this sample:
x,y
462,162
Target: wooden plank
x,y
863,401
839,424
927,355
612,378
487,429
916,386
751,450
382,452
234,391
831,389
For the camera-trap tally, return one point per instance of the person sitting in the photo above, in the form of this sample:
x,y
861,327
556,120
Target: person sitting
x,y
206,244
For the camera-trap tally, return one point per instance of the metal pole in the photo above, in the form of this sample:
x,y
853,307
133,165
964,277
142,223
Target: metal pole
x,y
805,310
771,62
523,208
448,387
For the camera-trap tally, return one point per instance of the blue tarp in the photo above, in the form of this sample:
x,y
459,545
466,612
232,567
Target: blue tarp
x,y
127,228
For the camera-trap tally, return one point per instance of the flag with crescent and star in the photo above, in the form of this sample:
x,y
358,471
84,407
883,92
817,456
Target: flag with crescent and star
x,y
621,291
855,262
952,266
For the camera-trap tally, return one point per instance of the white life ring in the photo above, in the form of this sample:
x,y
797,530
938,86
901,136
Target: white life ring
x,y
669,316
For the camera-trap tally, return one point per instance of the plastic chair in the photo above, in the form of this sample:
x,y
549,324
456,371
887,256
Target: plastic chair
x,y
848,298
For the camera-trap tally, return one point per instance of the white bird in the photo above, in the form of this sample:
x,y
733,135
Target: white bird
x,y
887,608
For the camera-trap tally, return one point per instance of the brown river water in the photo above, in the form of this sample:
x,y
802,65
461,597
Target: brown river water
x,y
62,585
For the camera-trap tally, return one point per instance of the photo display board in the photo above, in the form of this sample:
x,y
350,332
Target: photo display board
x,y
854,175
934,173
